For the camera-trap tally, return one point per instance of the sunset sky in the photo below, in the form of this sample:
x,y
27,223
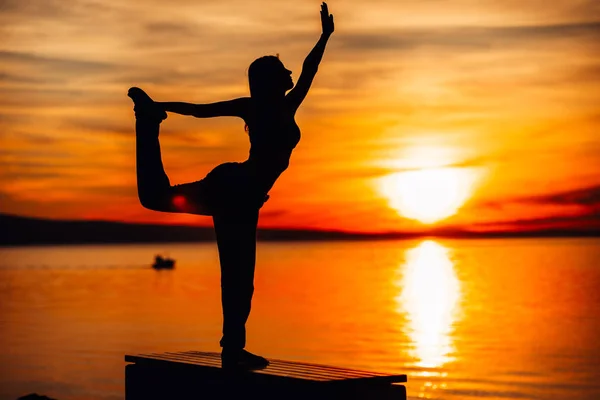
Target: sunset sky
x,y
460,113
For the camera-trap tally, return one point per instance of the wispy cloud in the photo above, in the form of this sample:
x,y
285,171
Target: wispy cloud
x,y
582,204
571,223
467,38
589,196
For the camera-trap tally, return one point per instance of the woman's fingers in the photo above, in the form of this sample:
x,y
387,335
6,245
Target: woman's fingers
x,y
326,18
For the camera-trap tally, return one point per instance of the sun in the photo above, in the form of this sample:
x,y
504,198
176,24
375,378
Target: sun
x,y
428,195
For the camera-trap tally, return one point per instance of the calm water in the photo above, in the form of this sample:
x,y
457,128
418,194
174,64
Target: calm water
x,y
474,319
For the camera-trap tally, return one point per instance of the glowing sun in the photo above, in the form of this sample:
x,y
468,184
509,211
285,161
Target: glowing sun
x,y
428,195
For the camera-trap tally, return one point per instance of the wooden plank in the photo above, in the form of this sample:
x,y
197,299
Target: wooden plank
x,y
214,360
299,370
297,365
216,356
164,360
287,367
278,369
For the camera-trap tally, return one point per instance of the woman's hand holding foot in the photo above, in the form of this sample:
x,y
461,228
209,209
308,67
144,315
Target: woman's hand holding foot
x,y
145,107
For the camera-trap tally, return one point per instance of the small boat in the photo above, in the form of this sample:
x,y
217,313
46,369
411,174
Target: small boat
x,y
163,262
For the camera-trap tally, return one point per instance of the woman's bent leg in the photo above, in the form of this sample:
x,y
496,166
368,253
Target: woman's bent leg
x,y
154,188
152,181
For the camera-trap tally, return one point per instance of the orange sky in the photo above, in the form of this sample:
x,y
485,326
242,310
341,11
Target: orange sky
x,y
501,96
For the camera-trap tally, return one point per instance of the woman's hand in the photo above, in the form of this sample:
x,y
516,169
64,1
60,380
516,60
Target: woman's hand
x,y
326,20
145,107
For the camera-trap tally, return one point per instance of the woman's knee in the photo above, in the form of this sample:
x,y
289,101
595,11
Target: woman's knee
x,y
153,199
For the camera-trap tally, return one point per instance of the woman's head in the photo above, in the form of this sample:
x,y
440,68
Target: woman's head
x,y
268,77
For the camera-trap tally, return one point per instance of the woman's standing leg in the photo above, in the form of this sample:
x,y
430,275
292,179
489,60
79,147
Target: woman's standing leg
x,y
236,240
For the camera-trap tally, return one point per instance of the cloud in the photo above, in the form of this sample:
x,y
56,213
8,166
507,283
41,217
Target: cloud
x,y
464,38
35,148
100,124
586,73
585,197
15,78
569,223
63,65
33,80
38,8
172,28
345,172
42,97
589,196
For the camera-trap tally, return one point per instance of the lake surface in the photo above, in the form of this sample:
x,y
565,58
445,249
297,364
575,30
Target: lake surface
x,y
464,319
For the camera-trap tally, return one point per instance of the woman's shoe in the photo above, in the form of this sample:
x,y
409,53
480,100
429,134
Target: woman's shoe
x,y
242,359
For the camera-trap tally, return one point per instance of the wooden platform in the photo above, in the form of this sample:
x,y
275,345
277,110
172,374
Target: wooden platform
x,y
198,375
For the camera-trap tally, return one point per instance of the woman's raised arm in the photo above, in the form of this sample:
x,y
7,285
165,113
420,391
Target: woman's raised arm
x,y
311,63
229,108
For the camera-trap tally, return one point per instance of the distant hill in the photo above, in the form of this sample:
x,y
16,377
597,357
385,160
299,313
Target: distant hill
x,y
18,230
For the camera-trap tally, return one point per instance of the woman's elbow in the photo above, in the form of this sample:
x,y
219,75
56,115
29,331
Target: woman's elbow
x,y
310,67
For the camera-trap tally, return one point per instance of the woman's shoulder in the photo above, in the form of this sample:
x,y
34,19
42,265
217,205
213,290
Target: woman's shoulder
x,y
245,107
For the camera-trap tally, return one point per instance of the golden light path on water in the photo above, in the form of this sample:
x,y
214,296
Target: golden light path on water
x,y
430,295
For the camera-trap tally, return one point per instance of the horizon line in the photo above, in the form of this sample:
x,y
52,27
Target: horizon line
x,y
450,233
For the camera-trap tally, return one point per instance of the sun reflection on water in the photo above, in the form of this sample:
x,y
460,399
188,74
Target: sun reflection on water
x,y
430,300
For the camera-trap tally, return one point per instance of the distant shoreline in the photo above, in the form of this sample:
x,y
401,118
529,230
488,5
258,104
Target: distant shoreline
x,y
25,231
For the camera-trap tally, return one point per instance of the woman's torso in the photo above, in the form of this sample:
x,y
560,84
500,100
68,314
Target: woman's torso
x,y
273,136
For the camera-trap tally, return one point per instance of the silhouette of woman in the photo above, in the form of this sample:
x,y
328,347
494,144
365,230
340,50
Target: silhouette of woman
x,y
232,193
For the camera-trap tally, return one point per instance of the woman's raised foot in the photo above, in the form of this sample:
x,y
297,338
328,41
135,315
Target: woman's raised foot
x,y
145,107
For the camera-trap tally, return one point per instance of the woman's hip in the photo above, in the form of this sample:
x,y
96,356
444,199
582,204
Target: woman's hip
x,y
234,185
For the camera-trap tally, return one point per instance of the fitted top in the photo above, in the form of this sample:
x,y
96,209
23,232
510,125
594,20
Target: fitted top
x,y
272,140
